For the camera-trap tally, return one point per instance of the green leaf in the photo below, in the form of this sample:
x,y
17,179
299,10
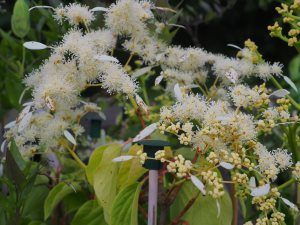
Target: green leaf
x,y
125,206
94,162
105,178
20,22
32,207
204,210
17,155
89,214
130,171
55,196
12,170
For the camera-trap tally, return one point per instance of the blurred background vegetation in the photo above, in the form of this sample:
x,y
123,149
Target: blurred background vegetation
x,y
211,24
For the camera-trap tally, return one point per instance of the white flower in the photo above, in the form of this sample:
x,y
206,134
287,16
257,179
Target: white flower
x,y
76,14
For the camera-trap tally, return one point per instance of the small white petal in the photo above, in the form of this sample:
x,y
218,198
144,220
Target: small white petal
x,y
3,145
234,46
252,182
177,92
198,183
158,80
145,132
141,103
41,7
280,93
123,158
10,125
33,45
24,122
70,137
290,82
218,208
27,103
261,190
290,204
141,71
176,25
99,9
227,165
106,58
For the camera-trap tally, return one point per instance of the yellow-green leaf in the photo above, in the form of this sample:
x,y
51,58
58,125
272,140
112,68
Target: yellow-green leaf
x,y
89,213
106,177
204,210
125,206
130,171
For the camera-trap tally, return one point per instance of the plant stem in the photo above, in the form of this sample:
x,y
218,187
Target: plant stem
x,y
137,111
278,85
76,158
23,60
177,219
128,60
286,184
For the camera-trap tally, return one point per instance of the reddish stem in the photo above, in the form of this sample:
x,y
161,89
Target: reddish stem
x,y
140,116
177,219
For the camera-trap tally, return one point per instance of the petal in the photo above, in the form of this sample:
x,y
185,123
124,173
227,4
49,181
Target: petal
x,y
141,72
10,125
41,7
280,93
227,165
290,82
145,132
33,45
177,92
158,80
70,137
123,158
252,182
198,183
3,145
106,58
261,190
290,204
218,208
24,122
99,9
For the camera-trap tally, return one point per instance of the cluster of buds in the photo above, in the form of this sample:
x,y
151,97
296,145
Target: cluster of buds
x,y
180,166
160,155
287,12
212,179
142,156
267,203
277,218
171,128
240,178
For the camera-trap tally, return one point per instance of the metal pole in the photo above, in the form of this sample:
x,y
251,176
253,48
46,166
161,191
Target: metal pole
x,y
152,197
